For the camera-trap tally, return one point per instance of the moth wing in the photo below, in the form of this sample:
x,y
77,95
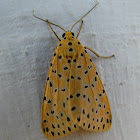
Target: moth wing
x,y
57,120
94,110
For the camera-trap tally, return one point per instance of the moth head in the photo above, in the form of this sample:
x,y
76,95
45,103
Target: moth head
x,y
68,34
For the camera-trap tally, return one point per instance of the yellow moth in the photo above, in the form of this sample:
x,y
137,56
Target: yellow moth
x,y
74,95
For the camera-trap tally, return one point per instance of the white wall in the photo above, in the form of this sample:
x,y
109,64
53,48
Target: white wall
x,y
26,47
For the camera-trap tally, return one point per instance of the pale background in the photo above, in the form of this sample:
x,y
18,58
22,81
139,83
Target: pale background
x,y
26,47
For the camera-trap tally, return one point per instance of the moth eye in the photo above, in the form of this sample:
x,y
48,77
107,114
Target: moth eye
x,y
63,34
72,33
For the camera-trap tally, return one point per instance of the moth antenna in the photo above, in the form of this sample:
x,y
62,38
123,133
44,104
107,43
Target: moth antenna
x,y
80,29
48,21
83,16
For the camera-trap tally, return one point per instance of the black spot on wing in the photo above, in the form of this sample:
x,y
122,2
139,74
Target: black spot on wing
x,y
78,119
71,96
107,112
52,112
69,128
44,98
58,126
88,100
63,90
86,72
69,61
53,126
65,68
95,78
49,101
63,35
72,77
86,86
92,85
47,129
61,114
83,111
70,49
93,126
52,133
58,133
69,43
100,94
60,57
53,71
64,105
72,33
107,120
51,84
78,94
103,126
59,75
88,116
68,119
89,125
84,96
79,78
73,108
101,119
79,66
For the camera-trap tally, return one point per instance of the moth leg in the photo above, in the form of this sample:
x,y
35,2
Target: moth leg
x,y
53,31
80,29
98,54
49,25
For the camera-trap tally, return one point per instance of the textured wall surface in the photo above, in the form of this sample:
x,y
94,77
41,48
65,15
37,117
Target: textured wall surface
x,y
27,45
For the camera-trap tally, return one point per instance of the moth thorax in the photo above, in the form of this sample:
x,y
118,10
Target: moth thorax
x,y
70,51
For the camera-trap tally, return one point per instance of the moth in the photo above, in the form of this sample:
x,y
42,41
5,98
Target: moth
x,y
74,95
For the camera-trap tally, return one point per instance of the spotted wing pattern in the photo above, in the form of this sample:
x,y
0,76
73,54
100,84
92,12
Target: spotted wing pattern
x,y
91,100
57,119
